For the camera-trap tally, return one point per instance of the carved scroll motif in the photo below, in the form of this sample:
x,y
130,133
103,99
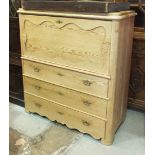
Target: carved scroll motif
x,y
72,28
73,42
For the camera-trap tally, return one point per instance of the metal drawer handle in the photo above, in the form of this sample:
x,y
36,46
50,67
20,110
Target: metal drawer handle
x,y
85,123
36,69
87,103
87,82
38,105
37,87
59,22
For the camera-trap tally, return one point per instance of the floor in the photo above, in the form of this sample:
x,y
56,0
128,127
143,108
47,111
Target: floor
x,y
31,134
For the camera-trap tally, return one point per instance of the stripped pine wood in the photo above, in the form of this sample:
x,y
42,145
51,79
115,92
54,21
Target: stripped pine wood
x,y
76,68
86,103
77,43
74,80
73,119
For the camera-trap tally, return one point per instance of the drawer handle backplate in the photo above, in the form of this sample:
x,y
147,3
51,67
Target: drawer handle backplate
x,y
38,105
60,113
36,69
85,123
87,82
59,22
60,93
87,103
60,74
37,87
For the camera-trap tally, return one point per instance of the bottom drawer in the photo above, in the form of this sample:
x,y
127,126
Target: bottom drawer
x,y
73,119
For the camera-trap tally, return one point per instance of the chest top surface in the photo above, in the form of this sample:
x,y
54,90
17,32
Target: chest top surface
x,y
105,16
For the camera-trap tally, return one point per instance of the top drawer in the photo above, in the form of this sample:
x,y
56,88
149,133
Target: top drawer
x,y
76,43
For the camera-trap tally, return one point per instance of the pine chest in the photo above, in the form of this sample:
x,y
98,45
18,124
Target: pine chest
x,y
76,68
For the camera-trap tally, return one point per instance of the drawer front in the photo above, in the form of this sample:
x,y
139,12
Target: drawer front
x,y
78,43
74,80
80,101
72,118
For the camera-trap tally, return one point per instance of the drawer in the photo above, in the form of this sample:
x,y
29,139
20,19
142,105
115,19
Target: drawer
x,y
68,97
92,85
73,119
77,43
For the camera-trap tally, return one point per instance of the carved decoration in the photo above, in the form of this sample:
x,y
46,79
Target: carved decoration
x,y
99,31
70,41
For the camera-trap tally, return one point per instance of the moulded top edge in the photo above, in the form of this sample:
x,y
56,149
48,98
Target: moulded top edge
x,y
108,16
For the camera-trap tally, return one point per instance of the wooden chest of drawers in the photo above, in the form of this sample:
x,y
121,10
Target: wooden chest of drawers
x,y
76,68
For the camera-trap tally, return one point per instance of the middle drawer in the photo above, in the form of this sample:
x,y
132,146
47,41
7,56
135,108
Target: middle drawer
x,y
85,83
70,98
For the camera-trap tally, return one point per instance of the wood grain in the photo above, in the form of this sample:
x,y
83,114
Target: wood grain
x,y
93,16
119,69
100,76
137,77
77,100
80,82
73,119
76,43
